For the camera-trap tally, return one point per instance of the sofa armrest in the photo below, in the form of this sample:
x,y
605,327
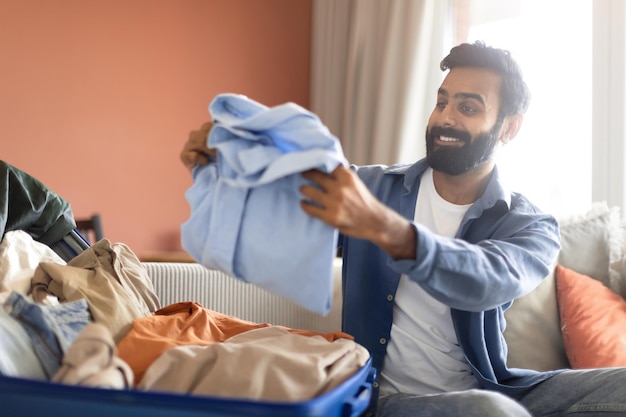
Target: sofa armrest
x,y
215,290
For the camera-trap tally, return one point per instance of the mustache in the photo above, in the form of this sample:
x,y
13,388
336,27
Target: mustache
x,y
437,131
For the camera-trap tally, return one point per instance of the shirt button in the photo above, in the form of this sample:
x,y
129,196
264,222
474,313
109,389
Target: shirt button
x,y
382,340
375,385
390,297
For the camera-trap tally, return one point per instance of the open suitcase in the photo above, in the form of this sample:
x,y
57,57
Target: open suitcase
x,y
22,397
29,398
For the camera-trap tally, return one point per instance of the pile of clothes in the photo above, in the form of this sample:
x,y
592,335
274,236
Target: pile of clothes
x,y
91,317
96,321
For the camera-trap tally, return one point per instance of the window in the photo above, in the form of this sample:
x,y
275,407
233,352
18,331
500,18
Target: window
x,y
550,159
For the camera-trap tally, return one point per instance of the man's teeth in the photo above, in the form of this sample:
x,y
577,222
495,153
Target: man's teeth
x,y
448,139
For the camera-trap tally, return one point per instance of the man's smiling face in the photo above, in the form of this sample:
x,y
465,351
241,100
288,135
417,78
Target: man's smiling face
x,y
464,128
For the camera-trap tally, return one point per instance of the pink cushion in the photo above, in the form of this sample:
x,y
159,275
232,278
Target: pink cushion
x,y
593,321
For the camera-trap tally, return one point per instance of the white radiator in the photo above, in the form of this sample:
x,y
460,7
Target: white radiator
x,y
176,282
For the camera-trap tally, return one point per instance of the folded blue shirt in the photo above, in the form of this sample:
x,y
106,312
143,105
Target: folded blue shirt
x,y
246,218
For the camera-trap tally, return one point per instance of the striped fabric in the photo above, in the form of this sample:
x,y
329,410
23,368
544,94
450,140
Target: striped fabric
x,y
70,246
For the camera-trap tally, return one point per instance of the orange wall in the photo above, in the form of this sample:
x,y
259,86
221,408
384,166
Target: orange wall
x,y
97,97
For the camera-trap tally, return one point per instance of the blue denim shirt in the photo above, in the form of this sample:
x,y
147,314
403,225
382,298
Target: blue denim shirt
x,y
502,251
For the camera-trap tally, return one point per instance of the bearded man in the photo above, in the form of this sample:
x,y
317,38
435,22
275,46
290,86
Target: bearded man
x,y
435,252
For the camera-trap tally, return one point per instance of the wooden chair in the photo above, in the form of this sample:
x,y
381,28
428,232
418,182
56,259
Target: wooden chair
x,y
90,228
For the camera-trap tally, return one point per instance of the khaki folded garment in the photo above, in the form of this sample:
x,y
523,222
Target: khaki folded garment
x,y
92,361
268,363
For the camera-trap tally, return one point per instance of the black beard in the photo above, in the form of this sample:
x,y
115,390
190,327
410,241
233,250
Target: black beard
x,y
457,160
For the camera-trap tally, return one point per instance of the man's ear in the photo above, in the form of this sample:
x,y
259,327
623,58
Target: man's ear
x,y
510,127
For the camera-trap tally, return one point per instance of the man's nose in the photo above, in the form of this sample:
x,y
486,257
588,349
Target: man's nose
x,y
447,117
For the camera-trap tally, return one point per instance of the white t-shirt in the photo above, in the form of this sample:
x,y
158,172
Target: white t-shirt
x,y
423,354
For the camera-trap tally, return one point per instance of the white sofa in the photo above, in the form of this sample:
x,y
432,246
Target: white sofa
x,y
592,244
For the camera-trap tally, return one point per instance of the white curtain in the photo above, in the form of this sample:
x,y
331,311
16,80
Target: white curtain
x,y
375,73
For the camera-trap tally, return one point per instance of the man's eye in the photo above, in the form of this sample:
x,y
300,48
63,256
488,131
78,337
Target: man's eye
x,y
442,105
468,109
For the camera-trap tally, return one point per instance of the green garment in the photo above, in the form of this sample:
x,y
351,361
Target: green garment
x,y
27,204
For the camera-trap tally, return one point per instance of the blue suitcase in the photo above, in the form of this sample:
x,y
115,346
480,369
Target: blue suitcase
x,y
29,398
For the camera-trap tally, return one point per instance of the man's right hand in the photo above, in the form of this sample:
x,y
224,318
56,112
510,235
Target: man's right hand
x,y
196,152
343,201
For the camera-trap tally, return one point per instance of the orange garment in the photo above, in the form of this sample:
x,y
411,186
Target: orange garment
x,y
186,323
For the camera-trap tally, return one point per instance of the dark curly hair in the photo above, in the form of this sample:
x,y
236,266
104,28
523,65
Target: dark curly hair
x,y
514,94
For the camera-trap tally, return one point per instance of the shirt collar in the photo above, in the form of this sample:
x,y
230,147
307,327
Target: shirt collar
x,y
495,191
